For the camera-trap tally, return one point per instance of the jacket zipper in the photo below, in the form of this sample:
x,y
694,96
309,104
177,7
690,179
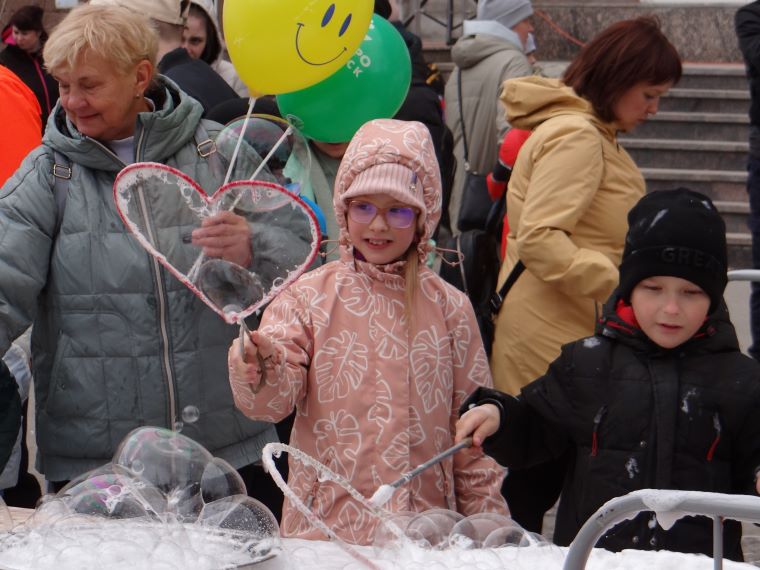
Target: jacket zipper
x,y
594,436
160,294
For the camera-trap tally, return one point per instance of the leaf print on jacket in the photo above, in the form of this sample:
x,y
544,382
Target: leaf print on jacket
x,y
431,369
340,366
338,436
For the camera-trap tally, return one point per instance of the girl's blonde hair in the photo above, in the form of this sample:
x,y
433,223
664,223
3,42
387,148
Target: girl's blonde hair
x,y
120,36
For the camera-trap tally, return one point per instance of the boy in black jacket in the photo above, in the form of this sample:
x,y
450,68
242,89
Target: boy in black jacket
x,y
660,397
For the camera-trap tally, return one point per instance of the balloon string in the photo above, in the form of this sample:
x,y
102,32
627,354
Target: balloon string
x,y
276,145
251,102
264,162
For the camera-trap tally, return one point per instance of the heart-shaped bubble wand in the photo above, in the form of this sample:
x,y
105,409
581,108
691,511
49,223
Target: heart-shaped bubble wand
x,y
385,492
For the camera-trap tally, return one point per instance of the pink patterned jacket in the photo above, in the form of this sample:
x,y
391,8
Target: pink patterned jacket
x,y
374,399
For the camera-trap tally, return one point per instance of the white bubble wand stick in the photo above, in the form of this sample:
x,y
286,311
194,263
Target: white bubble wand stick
x,y
385,492
271,449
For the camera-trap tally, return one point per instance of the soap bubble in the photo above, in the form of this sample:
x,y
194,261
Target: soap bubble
x,y
219,480
160,505
190,414
290,163
431,528
511,534
472,531
390,531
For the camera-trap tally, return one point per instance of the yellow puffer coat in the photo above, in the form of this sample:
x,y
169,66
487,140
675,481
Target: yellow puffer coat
x,y
568,198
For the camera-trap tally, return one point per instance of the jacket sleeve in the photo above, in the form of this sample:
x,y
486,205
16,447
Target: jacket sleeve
x,y
534,425
286,322
477,477
27,232
568,166
747,24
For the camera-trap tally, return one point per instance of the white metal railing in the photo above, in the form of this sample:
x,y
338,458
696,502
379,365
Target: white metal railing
x,y
679,503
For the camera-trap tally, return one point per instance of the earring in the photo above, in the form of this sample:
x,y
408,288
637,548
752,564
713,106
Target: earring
x,y
138,95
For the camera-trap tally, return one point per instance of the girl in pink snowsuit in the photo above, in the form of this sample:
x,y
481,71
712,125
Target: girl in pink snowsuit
x,y
375,351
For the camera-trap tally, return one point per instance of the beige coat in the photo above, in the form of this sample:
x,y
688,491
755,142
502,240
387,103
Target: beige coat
x,y
376,396
485,62
568,200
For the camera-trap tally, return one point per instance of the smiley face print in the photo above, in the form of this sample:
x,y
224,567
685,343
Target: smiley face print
x,y
279,46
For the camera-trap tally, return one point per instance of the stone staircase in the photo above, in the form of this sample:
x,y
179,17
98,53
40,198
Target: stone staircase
x,y
697,139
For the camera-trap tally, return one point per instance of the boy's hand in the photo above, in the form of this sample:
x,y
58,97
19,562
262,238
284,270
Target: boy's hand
x,y
480,422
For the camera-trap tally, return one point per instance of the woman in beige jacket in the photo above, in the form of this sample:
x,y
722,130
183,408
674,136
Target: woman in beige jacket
x,y
570,191
374,351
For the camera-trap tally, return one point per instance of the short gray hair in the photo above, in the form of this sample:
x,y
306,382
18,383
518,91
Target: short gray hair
x,y
117,34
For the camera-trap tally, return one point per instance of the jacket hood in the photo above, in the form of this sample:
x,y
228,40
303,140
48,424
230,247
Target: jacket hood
x,y
388,156
532,100
162,132
717,334
471,50
208,7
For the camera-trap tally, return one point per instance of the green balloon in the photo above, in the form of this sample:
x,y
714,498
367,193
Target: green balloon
x,y
372,85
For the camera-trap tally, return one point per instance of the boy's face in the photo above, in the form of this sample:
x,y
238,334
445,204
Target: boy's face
x,y
669,310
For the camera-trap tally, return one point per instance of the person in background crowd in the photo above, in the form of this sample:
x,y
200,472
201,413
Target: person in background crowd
x,y
660,397
570,190
747,25
203,40
20,127
491,50
194,76
20,122
117,341
374,351
23,56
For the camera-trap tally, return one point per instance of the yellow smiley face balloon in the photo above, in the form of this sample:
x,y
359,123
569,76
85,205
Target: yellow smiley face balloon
x,y
279,46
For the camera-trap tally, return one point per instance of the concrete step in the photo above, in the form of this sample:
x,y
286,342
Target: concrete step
x,y
695,126
699,154
735,214
713,76
719,185
706,100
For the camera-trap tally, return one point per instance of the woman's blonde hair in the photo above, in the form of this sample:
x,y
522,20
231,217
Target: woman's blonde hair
x,y
119,35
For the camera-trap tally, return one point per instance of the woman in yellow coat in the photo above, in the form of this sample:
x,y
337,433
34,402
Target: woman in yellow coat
x,y
570,191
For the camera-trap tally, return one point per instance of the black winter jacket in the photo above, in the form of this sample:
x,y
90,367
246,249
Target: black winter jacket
x,y
31,71
747,25
636,416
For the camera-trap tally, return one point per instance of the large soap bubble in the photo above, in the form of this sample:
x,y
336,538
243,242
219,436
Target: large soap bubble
x,y
164,503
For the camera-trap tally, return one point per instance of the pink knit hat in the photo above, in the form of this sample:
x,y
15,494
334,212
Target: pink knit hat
x,y
392,157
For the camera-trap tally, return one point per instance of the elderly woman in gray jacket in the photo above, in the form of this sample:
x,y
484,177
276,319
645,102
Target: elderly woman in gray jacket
x,y
118,342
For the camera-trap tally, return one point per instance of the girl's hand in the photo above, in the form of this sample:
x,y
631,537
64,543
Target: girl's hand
x,y
227,236
260,358
480,422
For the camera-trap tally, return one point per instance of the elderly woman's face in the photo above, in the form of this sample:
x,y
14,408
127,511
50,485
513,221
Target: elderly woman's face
x,y
101,101
638,103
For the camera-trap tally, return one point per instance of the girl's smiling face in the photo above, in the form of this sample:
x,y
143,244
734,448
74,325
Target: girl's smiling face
x,y
376,227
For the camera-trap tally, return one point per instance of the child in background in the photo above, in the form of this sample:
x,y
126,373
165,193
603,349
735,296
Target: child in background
x,y
375,351
660,397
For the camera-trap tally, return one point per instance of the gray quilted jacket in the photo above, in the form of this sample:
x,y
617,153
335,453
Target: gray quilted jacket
x,y
118,342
